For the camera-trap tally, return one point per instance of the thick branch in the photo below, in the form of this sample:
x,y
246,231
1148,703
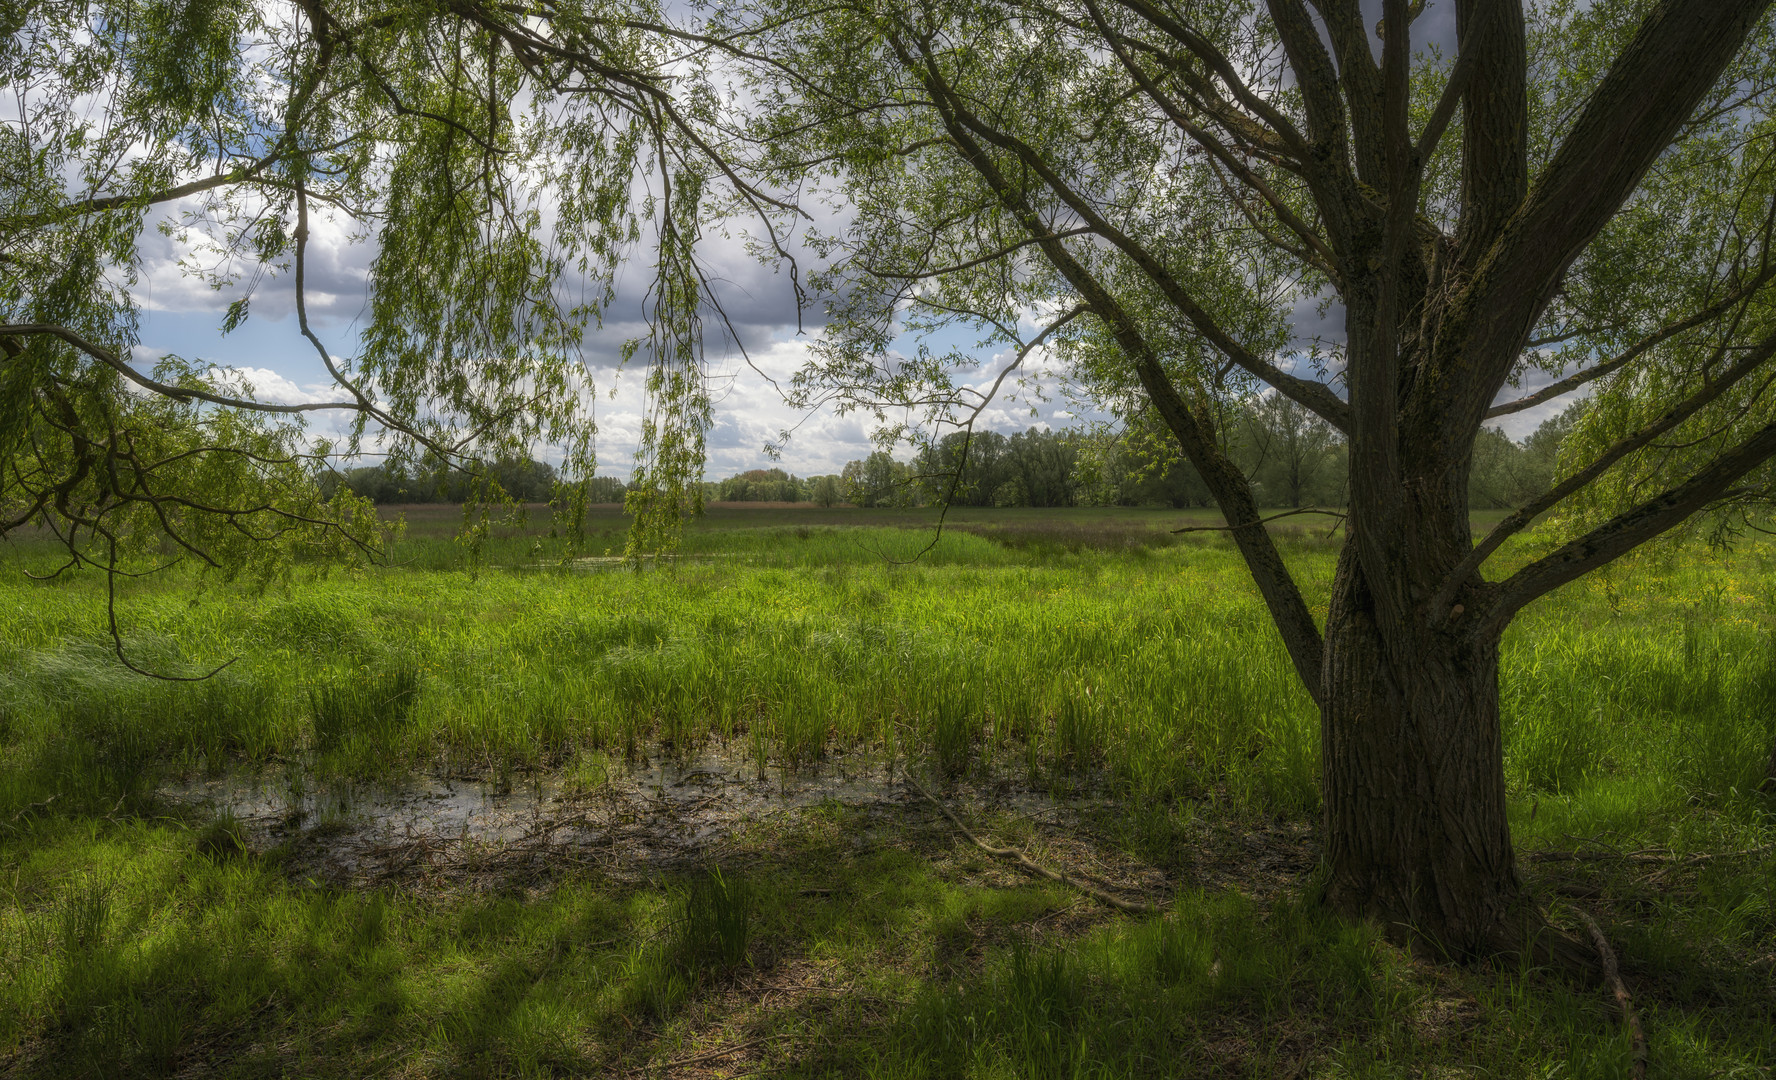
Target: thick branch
x,y
1318,79
1527,513
1453,93
1359,78
1628,530
1495,119
1675,58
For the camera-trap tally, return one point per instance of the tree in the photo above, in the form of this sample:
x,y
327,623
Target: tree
x,y
488,151
825,491
1294,449
878,480
1580,189
1043,462
963,468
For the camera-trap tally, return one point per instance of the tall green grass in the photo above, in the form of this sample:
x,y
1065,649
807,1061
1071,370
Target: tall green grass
x,y
1639,711
1141,672
1150,672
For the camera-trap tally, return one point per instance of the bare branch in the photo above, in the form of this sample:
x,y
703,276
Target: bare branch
x,y
178,393
1262,521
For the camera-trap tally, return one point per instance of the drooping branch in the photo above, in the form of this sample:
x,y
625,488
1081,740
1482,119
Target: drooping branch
x,y
966,428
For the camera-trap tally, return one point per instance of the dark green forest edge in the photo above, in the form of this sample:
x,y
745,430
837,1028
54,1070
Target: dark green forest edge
x,y
1293,458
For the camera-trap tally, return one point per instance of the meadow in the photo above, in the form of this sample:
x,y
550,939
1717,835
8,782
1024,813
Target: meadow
x,y
1086,684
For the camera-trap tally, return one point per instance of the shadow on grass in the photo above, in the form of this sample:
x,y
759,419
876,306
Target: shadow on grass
x,y
822,945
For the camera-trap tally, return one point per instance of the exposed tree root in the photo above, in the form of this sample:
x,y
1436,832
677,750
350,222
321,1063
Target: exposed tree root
x,y
1030,865
1624,1002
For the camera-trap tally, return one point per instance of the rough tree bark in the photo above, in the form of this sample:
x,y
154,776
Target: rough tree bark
x,y
1416,833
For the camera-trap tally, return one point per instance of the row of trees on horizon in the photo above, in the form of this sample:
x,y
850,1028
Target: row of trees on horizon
x,y
1294,459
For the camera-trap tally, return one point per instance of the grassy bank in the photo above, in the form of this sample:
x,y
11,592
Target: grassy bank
x,y
1125,672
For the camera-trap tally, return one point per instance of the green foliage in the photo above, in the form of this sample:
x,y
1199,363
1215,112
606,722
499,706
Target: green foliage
x,y
237,132
523,480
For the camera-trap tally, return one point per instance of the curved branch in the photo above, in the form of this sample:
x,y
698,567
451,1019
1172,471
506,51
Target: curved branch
x,y
178,393
1628,530
1527,513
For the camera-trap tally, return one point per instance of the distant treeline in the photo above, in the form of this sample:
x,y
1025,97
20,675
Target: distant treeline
x,y
1294,459
522,479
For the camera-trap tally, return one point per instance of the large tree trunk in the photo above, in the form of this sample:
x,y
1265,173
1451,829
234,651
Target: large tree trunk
x,y
1413,781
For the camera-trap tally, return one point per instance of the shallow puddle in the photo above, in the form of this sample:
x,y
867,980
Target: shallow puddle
x,y
644,816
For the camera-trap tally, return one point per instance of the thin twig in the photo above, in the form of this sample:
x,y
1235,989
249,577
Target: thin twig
x,y
1031,865
1260,521
40,805
1624,1002
720,1052
1649,855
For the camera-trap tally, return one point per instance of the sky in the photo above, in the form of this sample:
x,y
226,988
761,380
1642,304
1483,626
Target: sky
x,y
182,315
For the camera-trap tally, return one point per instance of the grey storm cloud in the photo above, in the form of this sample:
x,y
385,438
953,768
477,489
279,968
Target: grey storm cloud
x,y
761,335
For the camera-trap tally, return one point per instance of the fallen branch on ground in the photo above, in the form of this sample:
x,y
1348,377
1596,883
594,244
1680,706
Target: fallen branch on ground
x,y
1648,855
1624,1002
42,804
1031,865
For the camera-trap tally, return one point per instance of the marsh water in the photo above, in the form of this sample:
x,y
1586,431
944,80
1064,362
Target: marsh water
x,y
635,817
